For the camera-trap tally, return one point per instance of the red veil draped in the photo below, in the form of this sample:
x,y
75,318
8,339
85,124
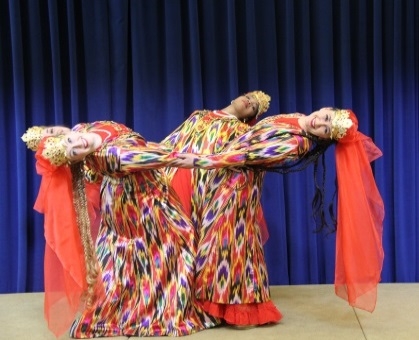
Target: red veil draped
x,y
360,215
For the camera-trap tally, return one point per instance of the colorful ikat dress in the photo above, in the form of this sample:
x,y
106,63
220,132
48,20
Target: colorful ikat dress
x,y
204,132
231,268
146,246
207,132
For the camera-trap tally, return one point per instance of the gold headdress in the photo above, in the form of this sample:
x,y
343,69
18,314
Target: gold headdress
x,y
263,101
54,150
340,124
33,136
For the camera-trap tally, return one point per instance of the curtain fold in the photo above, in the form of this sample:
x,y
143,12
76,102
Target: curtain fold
x,y
149,64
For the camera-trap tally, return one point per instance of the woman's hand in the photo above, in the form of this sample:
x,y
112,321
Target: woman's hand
x,y
184,160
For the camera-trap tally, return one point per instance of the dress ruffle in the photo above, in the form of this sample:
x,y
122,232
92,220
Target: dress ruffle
x,y
243,314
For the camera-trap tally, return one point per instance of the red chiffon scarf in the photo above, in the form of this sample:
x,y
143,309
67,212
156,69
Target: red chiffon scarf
x,y
64,266
359,250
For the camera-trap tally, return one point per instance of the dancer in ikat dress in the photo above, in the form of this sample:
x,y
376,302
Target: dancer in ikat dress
x,y
144,259
207,132
228,257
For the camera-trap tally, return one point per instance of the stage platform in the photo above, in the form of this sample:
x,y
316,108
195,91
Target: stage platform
x,y
310,312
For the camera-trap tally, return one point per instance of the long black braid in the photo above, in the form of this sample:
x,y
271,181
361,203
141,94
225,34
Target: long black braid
x,y
318,201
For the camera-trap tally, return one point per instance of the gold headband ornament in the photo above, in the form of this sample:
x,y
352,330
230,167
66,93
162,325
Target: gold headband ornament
x,y
54,150
33,136
341,122
263,101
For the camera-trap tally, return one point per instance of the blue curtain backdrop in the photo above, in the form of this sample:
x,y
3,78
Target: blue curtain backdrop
x,y
150,63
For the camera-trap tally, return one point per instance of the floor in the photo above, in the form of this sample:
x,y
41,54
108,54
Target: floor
x,y
310,312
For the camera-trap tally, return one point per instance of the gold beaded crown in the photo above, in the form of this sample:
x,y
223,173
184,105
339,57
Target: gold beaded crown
x,y
340,124
263,101
32,137
54,150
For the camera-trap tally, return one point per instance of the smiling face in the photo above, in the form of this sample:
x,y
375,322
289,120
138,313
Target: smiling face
x,y
319,123
80,144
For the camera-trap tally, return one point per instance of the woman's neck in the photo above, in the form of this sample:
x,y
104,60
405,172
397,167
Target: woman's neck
x,y
230,111
301,123
97,140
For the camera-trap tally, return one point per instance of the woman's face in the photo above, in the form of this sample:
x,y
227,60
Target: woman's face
x,y
55,130
246,106
80,144
319,123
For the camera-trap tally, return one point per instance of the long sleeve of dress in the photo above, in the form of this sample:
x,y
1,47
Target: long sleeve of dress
x,y
155,145
268,144
129,154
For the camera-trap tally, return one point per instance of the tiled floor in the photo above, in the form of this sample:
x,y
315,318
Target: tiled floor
x,y
310,312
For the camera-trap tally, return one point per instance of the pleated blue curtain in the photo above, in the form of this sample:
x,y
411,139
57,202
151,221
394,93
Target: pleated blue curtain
x,y
149,64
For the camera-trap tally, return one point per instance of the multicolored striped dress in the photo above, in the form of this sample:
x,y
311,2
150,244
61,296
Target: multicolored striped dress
x,y
222,285
204,132
146,245
231,267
